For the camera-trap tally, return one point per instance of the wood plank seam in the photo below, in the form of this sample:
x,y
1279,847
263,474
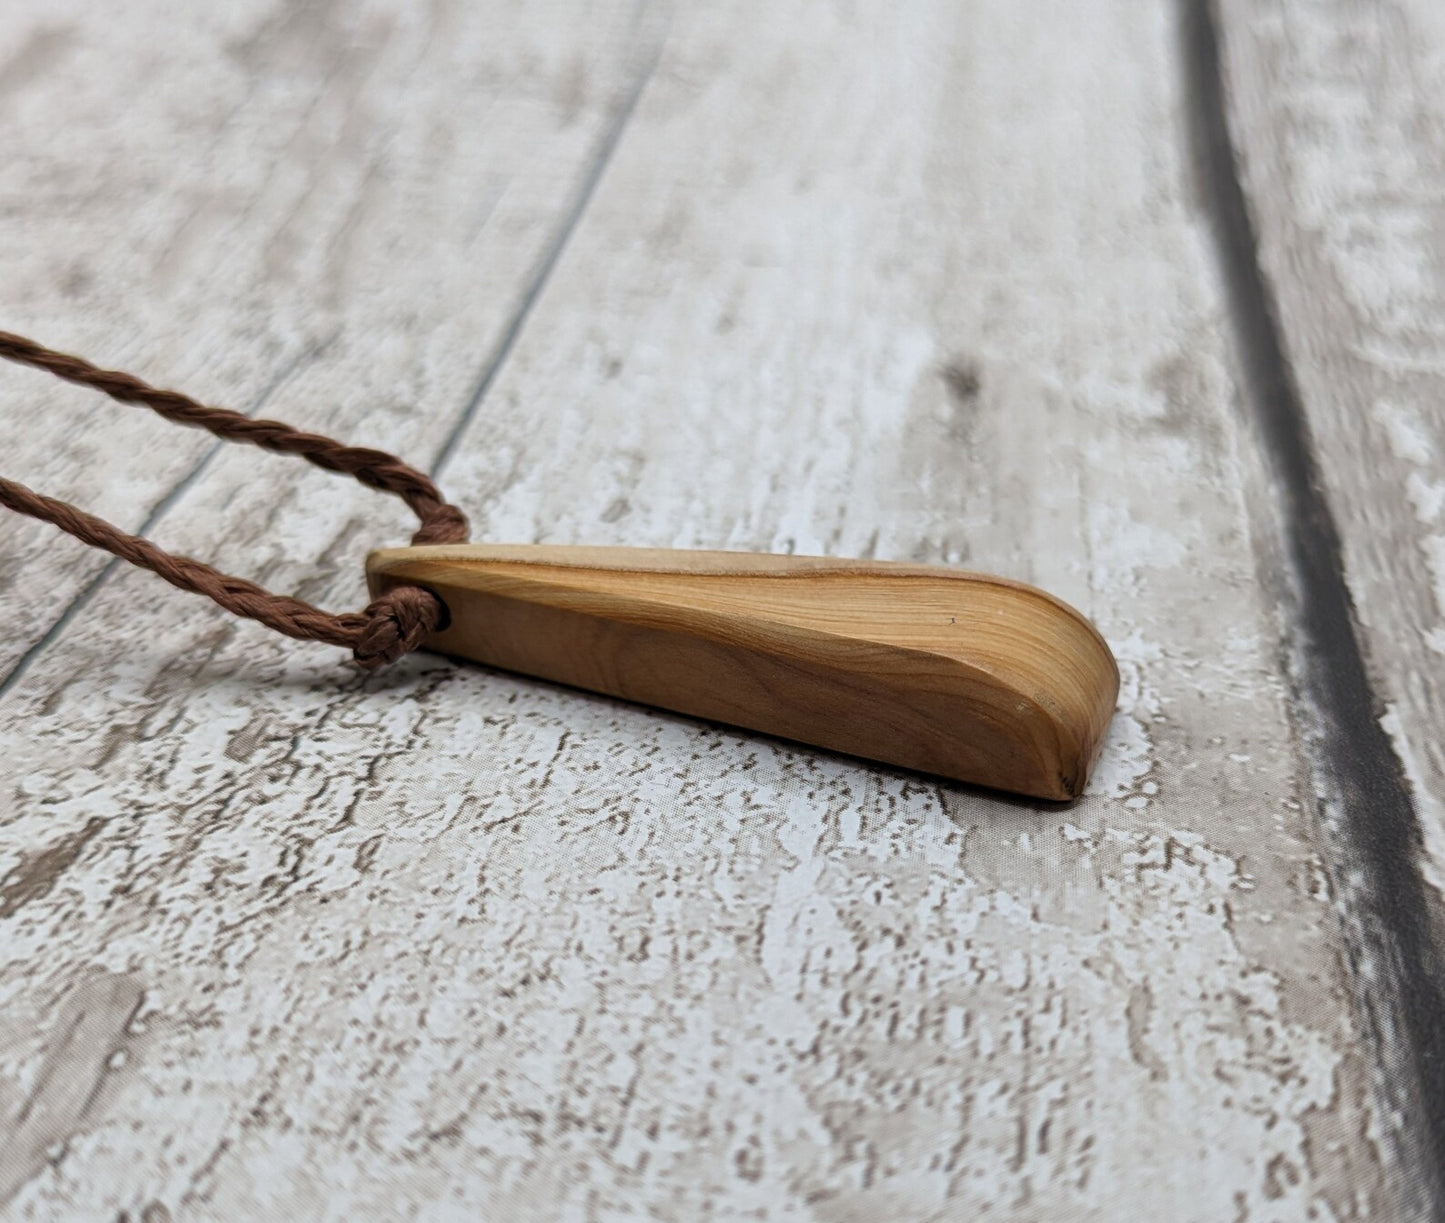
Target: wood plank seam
x,y
595,167
1364,808
547,262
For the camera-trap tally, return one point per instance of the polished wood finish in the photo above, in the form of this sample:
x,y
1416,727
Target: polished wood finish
x,y
971,677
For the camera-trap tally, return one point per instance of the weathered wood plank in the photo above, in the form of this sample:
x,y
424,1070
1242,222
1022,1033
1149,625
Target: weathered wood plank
x,y
1337,110
281,178
1334,110
917,281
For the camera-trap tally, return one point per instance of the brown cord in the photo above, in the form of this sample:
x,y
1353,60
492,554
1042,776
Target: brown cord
x,y
393,625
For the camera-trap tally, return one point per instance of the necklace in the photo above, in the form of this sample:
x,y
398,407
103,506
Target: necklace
x,y
967,676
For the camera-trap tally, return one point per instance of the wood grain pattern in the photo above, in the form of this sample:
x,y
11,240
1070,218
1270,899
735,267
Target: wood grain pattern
x,y
952,673
922,281
1337,109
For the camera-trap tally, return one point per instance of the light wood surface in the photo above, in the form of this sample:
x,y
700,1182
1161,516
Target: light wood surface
x,y
929,282
953,673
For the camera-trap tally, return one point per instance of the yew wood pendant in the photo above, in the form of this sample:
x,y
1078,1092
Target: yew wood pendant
x,y
959,674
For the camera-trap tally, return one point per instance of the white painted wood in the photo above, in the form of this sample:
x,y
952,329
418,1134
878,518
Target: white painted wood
x,y
909,281
1338,111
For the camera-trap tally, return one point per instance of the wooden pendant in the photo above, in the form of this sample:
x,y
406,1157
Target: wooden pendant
x,y
959,674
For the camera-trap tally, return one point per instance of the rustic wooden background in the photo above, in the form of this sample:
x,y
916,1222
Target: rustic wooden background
x,y
1140,300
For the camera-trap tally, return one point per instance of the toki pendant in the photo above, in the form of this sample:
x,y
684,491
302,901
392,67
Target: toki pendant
x,y
962,675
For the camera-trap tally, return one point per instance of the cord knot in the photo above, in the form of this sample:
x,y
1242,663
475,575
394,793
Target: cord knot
x,y
395,624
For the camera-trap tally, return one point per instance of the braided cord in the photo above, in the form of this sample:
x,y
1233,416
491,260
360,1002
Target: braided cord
x,y
391,626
